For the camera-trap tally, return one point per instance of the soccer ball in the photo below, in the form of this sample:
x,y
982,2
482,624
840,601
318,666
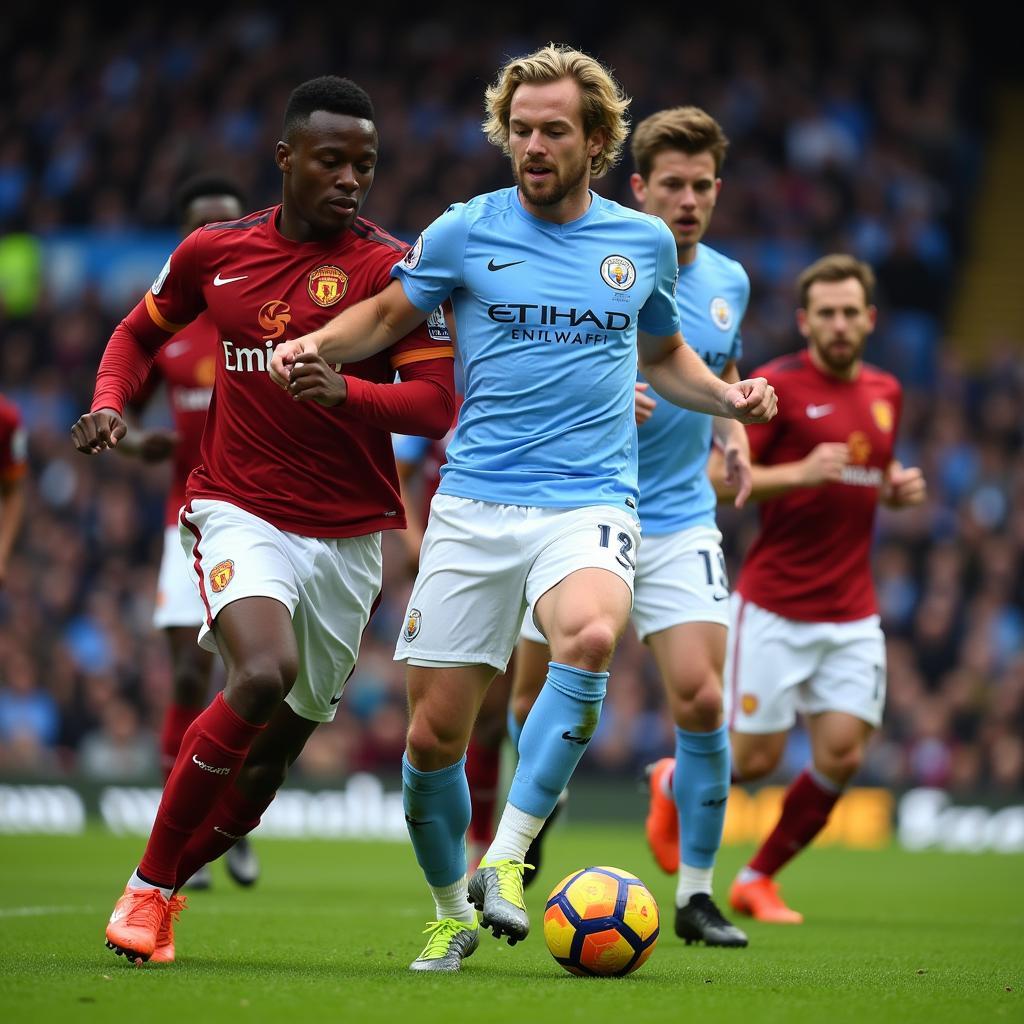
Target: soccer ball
x,y
601,921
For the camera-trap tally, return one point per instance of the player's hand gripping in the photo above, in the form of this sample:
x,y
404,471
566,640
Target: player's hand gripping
x,y
751,401
904,486
824,464
284,358
96,431
312,379
738,474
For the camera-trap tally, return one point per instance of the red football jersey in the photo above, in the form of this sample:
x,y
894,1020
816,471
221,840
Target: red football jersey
x,y
306,469
13,443
811,559
187,364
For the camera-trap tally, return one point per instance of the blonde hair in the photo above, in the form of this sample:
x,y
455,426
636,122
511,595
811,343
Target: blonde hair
x,y
603,103
833,268
688,129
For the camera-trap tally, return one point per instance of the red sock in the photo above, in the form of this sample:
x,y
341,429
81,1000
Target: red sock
x,y
177,719
234,816
482,764
805,810
212,751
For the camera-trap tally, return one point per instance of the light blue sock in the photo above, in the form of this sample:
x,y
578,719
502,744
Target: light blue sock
x,y
515,730
554,736
701,788
437,812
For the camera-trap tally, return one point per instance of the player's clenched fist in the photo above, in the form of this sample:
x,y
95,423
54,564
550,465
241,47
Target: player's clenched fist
x,y
98,430
284,357
904,485
752,401
312,379
824,464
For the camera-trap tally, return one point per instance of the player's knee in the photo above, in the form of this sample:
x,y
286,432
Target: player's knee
x,y
262,682
700,710
433,742
590,647
754,762
841,764
190,685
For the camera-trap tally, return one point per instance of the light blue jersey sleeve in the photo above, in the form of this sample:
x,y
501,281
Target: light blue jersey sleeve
x,y
433,268
675,493
660,314
410,447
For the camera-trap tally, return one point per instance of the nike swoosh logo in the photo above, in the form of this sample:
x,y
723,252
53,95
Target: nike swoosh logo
x,y
414,822
116,916
815,412
581,740
501,266
334,700
720,597
218,280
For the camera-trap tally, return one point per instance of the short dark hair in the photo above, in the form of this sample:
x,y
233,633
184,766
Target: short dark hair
x,y
328,92
200,186
837,266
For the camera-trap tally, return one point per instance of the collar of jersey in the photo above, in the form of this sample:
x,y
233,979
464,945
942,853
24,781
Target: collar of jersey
x,y
557,229
323,245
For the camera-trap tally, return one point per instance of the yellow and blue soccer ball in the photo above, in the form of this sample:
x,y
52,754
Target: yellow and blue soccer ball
x,y
601,922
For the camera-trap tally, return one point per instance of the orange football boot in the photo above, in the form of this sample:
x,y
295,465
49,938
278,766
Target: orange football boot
x,y
760,899
662,817
164,952
135,923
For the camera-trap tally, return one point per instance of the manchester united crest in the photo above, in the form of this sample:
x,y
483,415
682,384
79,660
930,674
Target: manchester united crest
x,y
749,703
881,410
221,575
327,285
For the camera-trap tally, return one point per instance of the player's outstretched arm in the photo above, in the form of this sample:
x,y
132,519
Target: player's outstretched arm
x,y
355,333
822,465
678,374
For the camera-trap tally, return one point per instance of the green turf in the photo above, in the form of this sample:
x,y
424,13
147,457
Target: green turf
x,y
329,931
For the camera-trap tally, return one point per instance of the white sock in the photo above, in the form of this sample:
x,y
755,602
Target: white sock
x,y
138,883
692,881
515,832
748,874
450,901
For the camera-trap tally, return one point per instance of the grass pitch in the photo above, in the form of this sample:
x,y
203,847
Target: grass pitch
x,y
328,932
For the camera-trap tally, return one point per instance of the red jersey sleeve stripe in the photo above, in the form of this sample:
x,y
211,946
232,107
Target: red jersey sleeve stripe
x,y
158,318
418,355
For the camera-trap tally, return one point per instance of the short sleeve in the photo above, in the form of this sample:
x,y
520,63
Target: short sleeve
x,y
432,269
659,315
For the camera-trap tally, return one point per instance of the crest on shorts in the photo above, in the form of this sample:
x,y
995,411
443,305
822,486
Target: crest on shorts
x,y
748,702
721,313
412,625
221,575
619,272
881,410
327,285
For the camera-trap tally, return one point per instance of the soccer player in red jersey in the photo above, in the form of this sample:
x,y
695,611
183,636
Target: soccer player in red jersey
x,y
805,629
283,517
13,467
186,367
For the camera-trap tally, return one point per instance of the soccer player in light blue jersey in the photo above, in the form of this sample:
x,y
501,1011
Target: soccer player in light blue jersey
x,y
680,606
556,291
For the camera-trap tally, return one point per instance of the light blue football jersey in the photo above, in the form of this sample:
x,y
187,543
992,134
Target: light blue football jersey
x,y
546,317
675,492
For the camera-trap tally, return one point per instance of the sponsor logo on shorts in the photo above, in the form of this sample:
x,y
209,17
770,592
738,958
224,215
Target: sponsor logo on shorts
x,y
619,272
212,769
412,625
749,703
221,575
327,285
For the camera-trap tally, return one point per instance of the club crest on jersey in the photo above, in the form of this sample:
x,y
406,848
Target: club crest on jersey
x,y
327,285
721,313
221,575
618,272
412,258
883,414
412,625
274,316
860,448
748,702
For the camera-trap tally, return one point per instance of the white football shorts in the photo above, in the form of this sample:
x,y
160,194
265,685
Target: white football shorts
x,y
482,564
680,577
177,597
329,586
776,667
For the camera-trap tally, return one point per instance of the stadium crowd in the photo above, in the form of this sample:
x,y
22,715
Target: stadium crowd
x,y
860,135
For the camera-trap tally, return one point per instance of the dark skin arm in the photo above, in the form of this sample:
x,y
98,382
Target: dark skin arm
x,y
94,432
313,379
